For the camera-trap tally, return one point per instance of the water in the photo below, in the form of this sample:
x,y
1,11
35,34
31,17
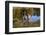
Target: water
x,y
35,18
32,18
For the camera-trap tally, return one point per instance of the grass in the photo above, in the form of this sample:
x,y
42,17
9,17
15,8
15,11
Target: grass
x,y
20,24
